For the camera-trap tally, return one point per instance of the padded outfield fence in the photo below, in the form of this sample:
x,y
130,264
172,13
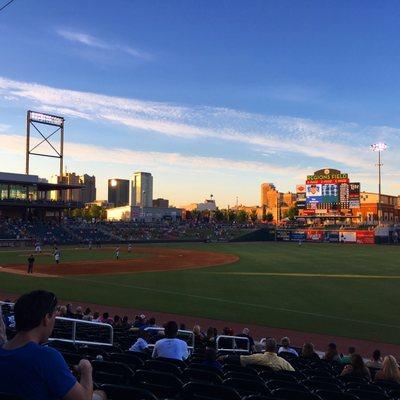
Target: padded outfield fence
x,y
384,235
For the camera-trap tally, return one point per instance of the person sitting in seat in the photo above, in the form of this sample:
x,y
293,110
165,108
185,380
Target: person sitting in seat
x,y
390,370
268,359
347,359
142,343
246,334
105,319
285,347
308,353
171,346
376,360
198,337
356,368
32,371
332,354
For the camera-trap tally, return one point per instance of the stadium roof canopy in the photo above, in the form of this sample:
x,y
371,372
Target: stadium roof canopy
x,y
9,178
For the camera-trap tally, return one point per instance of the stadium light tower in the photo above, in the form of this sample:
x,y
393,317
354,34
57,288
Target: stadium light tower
x,y
379,147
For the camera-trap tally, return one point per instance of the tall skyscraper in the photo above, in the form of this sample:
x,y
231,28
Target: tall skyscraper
x,y
89,188
118,192
269,195
69,178
142,189
86,194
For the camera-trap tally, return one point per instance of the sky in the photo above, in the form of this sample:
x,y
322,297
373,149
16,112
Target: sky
x,y
211,97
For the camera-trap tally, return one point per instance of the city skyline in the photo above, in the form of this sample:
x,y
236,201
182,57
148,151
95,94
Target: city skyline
x,y
214,113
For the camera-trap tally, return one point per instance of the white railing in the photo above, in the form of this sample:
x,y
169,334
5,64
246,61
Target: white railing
x,y
7,303
235,340
181,333
76,322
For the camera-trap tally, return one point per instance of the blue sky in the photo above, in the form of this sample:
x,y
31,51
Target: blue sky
x,y
210,96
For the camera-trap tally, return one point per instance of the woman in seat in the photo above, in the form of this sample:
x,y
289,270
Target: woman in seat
x,y
356,368
390,370
308,353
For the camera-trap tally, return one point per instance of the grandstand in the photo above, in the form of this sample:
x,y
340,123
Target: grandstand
x,y
127,375
79,231
29,197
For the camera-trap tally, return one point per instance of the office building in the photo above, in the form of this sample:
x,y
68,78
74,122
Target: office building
x,y
89,188
118,192
270,197
86,192
69,178
161,203
142,189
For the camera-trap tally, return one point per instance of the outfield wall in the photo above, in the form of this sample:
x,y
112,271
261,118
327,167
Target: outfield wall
x,y
325,236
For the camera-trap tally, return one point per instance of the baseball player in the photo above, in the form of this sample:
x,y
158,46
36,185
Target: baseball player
x,y
31,260
38,248
57,255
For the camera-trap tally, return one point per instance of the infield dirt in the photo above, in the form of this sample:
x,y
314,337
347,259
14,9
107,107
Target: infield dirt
x,y
154,259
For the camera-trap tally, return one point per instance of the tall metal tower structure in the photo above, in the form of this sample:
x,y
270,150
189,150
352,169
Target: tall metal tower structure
x,y
36,120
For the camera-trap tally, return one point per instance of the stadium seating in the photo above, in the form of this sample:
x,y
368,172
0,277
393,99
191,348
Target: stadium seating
x,y
80,231
127,375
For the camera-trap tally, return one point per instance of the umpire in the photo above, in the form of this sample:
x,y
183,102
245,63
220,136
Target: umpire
x,y
31,260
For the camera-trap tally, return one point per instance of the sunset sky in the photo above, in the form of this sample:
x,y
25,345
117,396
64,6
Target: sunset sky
x,y
211,97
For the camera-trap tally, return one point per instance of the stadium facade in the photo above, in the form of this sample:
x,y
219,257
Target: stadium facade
x,y
28,196
329,195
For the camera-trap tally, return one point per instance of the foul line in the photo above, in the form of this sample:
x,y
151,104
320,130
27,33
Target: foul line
x,y
239,303
306,275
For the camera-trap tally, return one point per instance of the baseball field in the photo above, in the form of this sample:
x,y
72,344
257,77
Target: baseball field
x,y
336,289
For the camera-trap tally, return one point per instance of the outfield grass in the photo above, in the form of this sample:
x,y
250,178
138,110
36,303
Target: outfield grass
x,y
346,290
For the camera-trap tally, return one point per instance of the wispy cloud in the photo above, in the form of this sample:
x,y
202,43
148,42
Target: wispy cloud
x,y
312,142
83,152
86,39
82,38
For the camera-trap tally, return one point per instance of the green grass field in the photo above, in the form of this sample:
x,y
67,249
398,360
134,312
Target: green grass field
x,y
346,290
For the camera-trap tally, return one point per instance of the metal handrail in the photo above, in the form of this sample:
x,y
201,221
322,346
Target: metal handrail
x,y
234,339
84,322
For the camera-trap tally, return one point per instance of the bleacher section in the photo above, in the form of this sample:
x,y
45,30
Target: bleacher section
x,y
77,231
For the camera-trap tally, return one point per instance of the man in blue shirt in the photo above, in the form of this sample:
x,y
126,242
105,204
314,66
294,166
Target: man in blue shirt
x,y
171,346
35,372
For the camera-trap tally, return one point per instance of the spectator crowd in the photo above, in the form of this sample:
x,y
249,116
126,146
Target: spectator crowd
x,y
33,370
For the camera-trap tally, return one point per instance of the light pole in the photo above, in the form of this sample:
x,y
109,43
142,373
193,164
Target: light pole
x,y
379,147
211,206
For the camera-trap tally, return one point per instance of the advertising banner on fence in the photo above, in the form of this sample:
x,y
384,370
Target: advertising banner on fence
x,y
331,236
365,237
315,235
298,235
347,236
283,235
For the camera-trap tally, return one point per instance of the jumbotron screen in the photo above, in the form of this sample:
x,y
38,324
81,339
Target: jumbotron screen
x,y
322,193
